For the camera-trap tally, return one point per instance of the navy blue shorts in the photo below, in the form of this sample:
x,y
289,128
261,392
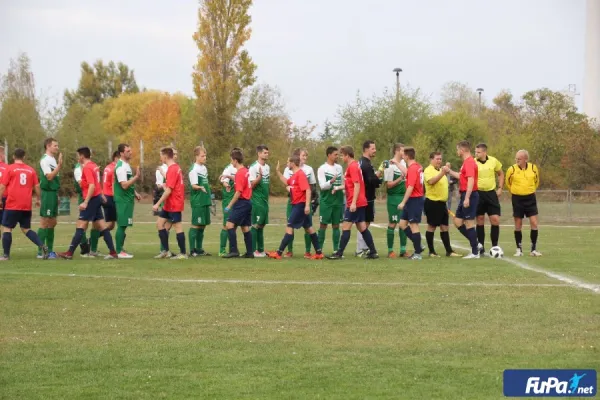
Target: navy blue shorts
x,y
10,218
298,219
468,212
93,212
172,216
2,210
241,213
413,210
110,210
356,216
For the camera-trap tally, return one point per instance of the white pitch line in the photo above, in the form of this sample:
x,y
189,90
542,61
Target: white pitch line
x,y
279,282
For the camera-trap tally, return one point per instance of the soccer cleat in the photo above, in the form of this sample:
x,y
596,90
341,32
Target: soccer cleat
x,y
231,255
289,254
471,256
4,258
359,253
274,255
194,253
164,254
180,256
415,256
98,254
453,254
112,256
372,256
66,255
391,254
518,253
39,257
434,255
203,253
535,253
52,256
124,255
335,256
404,254
317,257
307,255
259,254
85,248
222,253
247,255
87,255
481,249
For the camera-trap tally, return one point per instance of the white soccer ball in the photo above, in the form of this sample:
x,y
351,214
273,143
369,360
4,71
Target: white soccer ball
x,y
496,252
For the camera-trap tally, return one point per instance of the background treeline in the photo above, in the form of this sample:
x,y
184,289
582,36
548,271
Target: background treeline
x,y
230,109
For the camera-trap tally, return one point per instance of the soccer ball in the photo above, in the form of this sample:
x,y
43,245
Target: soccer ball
x,y
496,252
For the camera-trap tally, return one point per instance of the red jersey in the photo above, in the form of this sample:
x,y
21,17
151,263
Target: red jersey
x,y
469,169
176,199
19,179
3,168
108,179
414,178
242,184
299,184
354,175
90,175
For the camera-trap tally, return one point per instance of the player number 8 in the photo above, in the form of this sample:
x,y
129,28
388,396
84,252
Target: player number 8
x,y
23,179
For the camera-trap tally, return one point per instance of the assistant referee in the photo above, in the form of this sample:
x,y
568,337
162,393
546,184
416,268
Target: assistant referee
x,y
522,180
489,196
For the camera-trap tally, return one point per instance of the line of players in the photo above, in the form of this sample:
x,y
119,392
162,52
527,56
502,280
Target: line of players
x,y
246,201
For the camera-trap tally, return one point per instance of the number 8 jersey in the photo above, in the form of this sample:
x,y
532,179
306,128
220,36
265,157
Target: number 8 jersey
x,y
19,179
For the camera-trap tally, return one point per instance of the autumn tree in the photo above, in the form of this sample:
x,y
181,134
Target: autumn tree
x,y
224,68
99,82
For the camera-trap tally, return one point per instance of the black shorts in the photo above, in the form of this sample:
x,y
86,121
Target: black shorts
x,y
241,213
171,216
356,216
470,212
413,210
10,219
93,211
488,203
298,219
110,210
370,211
436,213
524,206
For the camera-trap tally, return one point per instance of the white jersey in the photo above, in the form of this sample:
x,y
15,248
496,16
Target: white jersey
x,y
308,171
160,180
393,171
326,173
229,170
78,173
197,171
122,172
48,164
253,172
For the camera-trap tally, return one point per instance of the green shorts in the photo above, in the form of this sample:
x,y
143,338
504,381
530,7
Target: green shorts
x,y
392,207
124,213
260,214
49,204
331,214
201,215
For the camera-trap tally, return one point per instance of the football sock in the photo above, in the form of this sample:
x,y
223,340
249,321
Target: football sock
x,y
481,234
192,233
260,240
519,239
403,241
223,241
199,239
248,242
94,239
181,242
429,238
77,238
254,234
463,229
50,239
335,237
445,236
472,236
284,242
534,236
408,233
6,243
315,242
232,241
31,235
416,238
390,239
164,239
322,237
290,246
42,234
120,238
108,240
344,242
495,235
307,243
368,238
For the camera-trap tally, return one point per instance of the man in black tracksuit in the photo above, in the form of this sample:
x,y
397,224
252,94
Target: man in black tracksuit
x,y
372,181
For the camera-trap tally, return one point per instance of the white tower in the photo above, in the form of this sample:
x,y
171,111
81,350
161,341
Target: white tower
x,y
591,84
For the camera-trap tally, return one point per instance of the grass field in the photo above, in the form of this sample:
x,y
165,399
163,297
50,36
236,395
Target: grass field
x,y
297,329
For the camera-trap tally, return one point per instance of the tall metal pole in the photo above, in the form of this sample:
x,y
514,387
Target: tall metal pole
x,y
397,71
479,90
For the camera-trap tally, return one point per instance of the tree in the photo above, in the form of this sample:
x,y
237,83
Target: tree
x,y
457,95
100,82
224,69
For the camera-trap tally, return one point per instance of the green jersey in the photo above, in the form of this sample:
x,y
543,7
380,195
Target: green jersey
x,y
391,174
260,193
228,194
47,165
332,194
198,175
123,173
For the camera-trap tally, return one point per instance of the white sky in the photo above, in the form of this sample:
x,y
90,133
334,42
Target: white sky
x,y
319,53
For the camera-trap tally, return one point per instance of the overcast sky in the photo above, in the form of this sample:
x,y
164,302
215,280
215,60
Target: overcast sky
x,y
318,52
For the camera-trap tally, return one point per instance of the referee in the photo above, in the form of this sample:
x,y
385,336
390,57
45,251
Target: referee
x,y
489,203
522,180
372,182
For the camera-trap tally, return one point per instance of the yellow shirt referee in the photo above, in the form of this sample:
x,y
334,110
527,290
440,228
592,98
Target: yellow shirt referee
x,y
488,168
436,195
522,180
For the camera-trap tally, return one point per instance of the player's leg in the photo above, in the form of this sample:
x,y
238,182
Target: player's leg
x,y
80,229
518,215
100,225
223,235
429,235
178,227
363,228
25,225
308,240
237,217
416,238
288,235
325,214
469,214
6,240
199,245
345,236
290,247
247,239
163,236
393,218
314,239
192,237
322,232
533,223
124,219
336,219
52,221
494,229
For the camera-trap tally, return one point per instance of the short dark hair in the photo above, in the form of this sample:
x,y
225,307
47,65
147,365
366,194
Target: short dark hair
x,y
398,146
122,146
347,150
234,149
481,146
410,152
465,145
295,159
85,152
330,150
433,154
167,151
48,142
261,147
19,154
237,155
299,150
116,154
367,144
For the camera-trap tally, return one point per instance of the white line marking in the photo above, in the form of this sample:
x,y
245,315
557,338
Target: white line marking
x,y
573,282
279,282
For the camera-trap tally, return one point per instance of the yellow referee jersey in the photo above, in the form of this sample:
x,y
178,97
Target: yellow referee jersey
x,y
522,181
488,169
439,191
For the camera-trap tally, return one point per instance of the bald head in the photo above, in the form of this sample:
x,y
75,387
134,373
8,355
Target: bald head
x,y
522,158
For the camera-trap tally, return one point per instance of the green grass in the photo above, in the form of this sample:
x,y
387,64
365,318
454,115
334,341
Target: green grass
x,y
148,329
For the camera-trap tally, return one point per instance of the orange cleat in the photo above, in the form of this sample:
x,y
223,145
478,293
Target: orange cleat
x,y
317,257
391,254
308,256
289,254
274,255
